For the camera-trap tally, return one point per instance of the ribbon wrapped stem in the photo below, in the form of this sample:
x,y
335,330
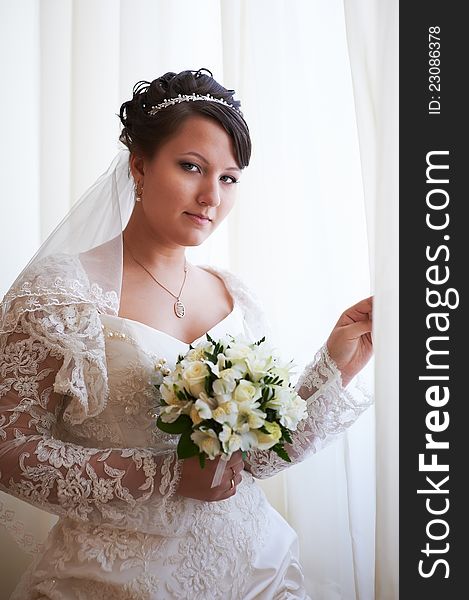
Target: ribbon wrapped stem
x,y
221,466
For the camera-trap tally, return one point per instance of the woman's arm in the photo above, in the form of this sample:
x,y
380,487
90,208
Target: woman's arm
x,y
124,486
331,410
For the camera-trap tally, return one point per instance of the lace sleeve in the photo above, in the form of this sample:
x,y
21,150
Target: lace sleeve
x,y
126,487
331,409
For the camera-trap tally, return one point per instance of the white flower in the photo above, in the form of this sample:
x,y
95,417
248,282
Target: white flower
x,y
267,440
290,407
246,390
170,413
249,416
259,365
293,413
284,372
232,441
168,394
194,376
207,441
226,412
222,389
195,354
239,351
202,409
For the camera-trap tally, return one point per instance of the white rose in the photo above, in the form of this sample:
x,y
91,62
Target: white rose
x,y
246,390
194,375
207,441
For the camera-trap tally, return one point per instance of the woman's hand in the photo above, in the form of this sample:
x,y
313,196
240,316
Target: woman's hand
x,y
350,344
195,482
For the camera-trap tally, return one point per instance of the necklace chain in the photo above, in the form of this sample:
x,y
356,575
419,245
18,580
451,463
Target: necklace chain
x,y
179,307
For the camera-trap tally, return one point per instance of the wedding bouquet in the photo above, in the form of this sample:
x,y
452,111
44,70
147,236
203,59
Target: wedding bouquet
x,y
229,395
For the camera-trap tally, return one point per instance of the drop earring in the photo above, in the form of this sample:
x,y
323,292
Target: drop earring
x,y
138,195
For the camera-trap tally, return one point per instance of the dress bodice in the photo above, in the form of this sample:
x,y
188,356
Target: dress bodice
x,y
135,355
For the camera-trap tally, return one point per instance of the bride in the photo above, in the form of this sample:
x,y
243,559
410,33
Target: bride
x,y
98,315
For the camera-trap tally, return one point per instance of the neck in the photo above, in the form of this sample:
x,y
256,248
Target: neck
x,y
146,248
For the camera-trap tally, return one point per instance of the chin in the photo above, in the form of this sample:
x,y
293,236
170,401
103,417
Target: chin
x,y
193,240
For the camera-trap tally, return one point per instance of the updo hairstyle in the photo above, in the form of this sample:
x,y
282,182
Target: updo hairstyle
x,y
143,134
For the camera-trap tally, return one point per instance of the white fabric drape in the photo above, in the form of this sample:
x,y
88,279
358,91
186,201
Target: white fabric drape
x,y
298,235
372,33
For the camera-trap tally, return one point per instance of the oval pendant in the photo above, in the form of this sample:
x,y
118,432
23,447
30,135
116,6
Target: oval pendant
x,y
179,309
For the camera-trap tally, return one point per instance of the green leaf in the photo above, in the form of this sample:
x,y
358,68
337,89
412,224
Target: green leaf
x,y
182,424
286,434
186,447
280,450
208,385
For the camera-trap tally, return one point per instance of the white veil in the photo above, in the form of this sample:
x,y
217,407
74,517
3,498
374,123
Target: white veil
x,y
87,241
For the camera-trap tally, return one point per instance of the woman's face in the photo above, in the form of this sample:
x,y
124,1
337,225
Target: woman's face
x,y
193,173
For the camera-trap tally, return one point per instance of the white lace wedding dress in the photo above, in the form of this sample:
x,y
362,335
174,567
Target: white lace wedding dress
x,y
80,444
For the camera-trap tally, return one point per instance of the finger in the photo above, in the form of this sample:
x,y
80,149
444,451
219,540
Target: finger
x,y
356,330
363,306
230,490
238,468
236,458
235,470
358,312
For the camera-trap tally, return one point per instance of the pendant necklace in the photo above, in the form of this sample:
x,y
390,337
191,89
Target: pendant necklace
x,y
179,308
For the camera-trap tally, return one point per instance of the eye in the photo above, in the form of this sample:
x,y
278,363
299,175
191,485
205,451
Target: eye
x,y
184,165
233,180
187,167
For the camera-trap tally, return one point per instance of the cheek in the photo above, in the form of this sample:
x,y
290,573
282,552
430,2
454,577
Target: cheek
x,y
164,195
228,205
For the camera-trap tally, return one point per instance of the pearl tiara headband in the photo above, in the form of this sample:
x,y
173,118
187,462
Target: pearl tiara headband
x,y
186,98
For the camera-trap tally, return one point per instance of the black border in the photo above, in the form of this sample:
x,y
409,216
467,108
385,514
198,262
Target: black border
x,y
420,133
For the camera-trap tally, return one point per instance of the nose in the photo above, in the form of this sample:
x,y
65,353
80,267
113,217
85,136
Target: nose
x,y
209,194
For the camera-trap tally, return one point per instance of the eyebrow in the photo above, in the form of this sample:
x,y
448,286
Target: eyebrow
x,y
203,159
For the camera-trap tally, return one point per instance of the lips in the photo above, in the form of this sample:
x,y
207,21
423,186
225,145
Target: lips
x,y
200,216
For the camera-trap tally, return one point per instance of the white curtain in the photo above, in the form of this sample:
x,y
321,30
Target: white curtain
x,y
372,33
299,234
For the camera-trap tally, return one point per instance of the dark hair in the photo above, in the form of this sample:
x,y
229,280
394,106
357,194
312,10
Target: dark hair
x,y
143,133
